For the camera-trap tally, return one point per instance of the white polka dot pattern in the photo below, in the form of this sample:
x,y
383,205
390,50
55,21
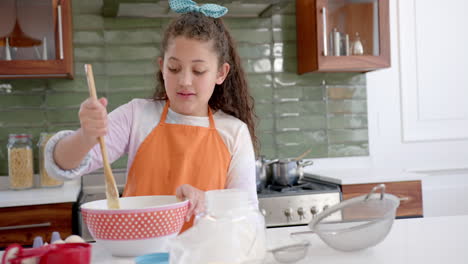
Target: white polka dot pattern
x,y
124,226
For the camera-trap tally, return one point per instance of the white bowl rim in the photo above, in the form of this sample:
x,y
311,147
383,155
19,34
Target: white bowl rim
x,y
85,207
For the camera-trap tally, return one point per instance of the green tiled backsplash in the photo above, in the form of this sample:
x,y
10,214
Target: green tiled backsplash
x,y
323,111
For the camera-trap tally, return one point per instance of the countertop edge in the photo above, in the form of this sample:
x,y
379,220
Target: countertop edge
x,y
68,193
362,175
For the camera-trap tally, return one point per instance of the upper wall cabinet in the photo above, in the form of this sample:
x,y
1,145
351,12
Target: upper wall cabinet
x,y
342,35
36,39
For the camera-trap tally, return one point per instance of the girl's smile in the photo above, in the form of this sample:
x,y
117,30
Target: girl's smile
x,y
186,94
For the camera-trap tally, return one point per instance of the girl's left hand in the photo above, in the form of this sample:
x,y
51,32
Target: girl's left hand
x,y
196,198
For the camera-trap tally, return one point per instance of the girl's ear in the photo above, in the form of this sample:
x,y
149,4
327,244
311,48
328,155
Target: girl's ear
x,y
222,73
160,61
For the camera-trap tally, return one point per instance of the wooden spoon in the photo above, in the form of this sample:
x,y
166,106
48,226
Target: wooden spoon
x,y
303,154
112,194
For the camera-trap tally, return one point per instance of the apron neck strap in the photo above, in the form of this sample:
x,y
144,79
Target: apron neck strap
x,y
164,113
166,108
210,116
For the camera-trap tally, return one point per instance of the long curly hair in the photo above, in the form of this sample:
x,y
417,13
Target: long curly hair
x,y
233,95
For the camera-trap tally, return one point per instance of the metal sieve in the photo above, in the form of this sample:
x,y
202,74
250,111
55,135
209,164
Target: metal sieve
x,y
357,223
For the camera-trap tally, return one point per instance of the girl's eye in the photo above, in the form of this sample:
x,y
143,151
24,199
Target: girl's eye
x,y
172,69
199,72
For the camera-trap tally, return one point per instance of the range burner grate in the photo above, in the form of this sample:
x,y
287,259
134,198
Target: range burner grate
x,y
307,186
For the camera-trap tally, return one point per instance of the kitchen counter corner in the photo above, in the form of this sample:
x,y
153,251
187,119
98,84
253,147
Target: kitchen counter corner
x,y
67,193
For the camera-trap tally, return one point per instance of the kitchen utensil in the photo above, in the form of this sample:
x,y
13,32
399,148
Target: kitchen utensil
x,y
73,253
290,253
262,172
336,42
303,154
288,172
142,225
7,49
365,221
357,48
112,193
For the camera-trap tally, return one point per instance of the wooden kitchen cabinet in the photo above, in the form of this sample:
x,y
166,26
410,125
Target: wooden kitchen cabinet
x,y
22,224
342,35
36,39
409,192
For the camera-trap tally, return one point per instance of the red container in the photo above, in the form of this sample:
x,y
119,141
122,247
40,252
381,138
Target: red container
x,y
70,253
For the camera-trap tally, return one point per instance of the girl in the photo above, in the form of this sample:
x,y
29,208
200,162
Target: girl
x,y
194,135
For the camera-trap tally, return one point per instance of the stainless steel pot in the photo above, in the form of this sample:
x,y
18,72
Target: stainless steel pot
x,y
263,172
288,172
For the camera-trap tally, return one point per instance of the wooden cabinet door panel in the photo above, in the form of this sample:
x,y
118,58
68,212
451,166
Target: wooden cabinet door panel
x,y
22,224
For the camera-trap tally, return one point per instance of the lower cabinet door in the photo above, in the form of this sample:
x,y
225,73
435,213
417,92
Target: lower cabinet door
x,y
22,224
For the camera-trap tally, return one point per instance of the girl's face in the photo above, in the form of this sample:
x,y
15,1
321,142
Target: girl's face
x,y
190,71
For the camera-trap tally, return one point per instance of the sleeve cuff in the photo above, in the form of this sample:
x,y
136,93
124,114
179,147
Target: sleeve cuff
x,y
53,169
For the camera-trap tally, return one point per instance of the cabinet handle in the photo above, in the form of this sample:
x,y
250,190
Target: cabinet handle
x,y
60,29
324,21
2,228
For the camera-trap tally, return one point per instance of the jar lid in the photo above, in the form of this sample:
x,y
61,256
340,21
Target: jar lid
x,y
20,136
45,136
224,200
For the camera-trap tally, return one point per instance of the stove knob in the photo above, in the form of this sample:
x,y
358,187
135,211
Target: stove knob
x,y
313,211
300,212
325,207
288,213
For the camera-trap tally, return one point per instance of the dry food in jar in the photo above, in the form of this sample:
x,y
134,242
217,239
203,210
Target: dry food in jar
x,y
20,161
45,179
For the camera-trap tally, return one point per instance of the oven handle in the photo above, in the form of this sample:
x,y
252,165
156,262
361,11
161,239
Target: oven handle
x,y
46,224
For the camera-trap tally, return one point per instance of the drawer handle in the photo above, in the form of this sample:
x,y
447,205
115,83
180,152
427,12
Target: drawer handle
x,y
404,199
25,226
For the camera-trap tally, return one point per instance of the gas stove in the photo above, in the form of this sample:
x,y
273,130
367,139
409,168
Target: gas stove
x,y
297,204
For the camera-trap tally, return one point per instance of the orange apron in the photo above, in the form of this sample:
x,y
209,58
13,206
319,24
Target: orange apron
x,y
173,154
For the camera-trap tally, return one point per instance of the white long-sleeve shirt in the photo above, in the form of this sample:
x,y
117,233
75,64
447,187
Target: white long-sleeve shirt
x,y
130,124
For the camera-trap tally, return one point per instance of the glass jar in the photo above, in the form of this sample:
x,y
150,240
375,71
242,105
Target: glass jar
x,y
233,231
20,161
44,179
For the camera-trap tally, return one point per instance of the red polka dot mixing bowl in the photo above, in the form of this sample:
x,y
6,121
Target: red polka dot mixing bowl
x,y
142,225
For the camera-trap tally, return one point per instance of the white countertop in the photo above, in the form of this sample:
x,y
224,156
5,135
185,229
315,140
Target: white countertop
x,y
362,175
67,193
432,240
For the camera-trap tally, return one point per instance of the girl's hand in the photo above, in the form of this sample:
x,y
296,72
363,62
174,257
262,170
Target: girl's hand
x,y
196,198
93,120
